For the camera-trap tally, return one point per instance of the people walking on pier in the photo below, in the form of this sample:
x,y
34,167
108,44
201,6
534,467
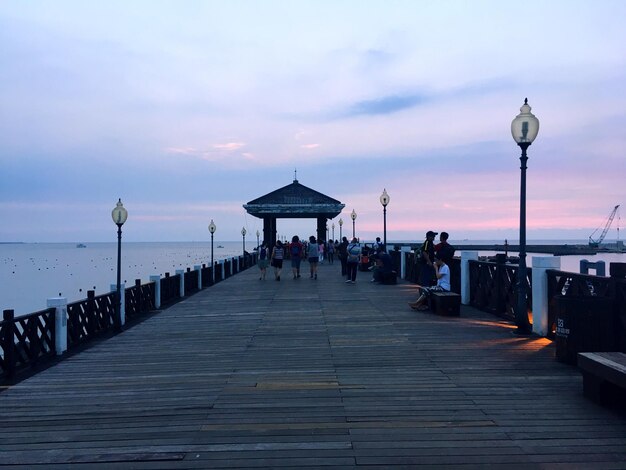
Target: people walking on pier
x,y
263,262
296,250
427,256
313,256
320,249
343,255
330,251
278,253
353,259
442,272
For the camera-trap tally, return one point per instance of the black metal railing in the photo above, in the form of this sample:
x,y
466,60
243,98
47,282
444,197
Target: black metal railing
x,y
191,281
582,286
90,317
139,299
25,340
493,288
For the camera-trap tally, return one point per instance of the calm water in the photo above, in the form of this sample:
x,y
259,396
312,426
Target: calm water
x,y
33,272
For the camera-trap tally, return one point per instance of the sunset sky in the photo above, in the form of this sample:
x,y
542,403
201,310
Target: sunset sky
x,y
186,110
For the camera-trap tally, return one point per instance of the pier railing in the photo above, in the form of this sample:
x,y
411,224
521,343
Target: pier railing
x,y
31,340
493,288
26,340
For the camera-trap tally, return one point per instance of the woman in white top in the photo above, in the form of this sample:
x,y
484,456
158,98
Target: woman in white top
x,y
442,271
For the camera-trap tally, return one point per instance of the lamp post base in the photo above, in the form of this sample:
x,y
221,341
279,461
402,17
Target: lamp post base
x,y
522,331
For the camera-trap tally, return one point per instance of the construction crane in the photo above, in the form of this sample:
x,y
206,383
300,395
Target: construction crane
x,y
595,243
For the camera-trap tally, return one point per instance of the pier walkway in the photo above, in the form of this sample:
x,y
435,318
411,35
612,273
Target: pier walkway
x,y
309,374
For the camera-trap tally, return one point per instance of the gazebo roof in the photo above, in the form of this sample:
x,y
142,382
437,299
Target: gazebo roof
x,y
294,201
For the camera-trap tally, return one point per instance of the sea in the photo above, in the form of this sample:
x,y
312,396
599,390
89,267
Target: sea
x,y
30,273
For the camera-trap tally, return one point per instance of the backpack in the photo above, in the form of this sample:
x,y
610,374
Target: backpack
x,y
353,257
295,250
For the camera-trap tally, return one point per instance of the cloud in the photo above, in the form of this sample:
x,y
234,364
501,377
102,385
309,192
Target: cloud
x,y
310,146
230,146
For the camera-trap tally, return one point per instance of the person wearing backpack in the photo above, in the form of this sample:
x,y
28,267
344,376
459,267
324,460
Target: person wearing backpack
x,y
353,252
263,262
296,249
313,256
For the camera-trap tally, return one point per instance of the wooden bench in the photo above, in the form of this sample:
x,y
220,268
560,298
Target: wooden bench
x,y
447,304
389,278
604,377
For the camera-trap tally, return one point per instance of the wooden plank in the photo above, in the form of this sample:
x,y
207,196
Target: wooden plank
x,y
253,374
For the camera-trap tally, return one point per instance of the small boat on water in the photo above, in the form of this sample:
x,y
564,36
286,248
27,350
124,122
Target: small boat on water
x,y
220,246
81,245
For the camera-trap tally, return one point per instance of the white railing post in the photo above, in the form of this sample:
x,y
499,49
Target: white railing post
x,y
540,265
223,269
60,323
122,301
404,256
182,281
466,257
198,268
156,278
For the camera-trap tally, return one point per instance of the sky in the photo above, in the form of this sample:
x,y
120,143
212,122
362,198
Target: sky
x,y
186,110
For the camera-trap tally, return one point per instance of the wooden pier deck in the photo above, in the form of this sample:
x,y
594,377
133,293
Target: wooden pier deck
x,y
309,374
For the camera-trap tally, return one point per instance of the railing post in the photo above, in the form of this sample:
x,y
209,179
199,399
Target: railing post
x,y
139,298
156,278
8,342
122,301
223,265
466,257
198,268
404,256
540,264
60,323
181,273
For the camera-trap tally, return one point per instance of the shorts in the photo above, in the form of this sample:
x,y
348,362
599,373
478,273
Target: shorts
x,y
314,259
277,263
263,263
295,262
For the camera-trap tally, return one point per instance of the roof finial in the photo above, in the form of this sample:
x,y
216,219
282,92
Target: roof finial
x,y
295,175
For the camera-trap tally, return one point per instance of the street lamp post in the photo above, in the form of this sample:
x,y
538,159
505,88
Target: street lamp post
x,y
243,234
333,226
524,129
212,229
384,200
119,216
258,234
340,225
353,217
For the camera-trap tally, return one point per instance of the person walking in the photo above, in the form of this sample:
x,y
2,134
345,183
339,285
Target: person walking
x,y
296,250
331,252
263,262
278,253
313,256
352,261
342,249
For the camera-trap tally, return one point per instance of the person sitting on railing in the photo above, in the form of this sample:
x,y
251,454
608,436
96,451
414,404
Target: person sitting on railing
x,y
442,272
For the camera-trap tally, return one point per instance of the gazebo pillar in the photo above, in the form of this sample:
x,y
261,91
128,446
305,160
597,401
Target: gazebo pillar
x,y
269,231
321,229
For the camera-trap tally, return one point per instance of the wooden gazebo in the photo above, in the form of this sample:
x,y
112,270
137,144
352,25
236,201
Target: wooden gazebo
x,y
294,201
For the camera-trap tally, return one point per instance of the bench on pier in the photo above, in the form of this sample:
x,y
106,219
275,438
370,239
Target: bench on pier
x,y
389,277
604,377
447,304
